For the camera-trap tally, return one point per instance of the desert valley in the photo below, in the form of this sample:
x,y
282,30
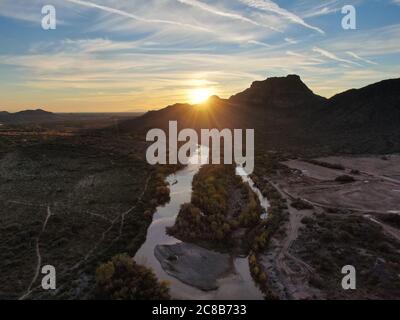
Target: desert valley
x,y
76,192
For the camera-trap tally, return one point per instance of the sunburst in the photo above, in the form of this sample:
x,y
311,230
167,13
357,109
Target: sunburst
x,y
200,95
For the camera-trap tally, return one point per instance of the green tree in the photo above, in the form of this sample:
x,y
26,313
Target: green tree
x,y
123,279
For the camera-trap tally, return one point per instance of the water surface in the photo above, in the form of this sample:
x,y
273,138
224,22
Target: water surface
x,y
236,286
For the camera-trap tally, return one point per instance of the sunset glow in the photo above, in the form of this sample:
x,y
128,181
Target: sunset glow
x,y
118,56
199,95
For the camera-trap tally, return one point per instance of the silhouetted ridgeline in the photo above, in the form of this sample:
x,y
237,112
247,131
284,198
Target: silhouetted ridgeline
x,y
288,116
38,115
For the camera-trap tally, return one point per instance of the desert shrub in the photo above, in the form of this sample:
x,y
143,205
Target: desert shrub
x,y
123,279
328,165
160,189
334,240
345,179
162,194
391,218
307,220
260,277
300,204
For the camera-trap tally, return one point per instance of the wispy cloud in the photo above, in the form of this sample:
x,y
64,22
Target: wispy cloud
x,y
304,57
141,80
135,17
27,12
371,42
121,55
356,56
270,6
291,41
259,43
226,14
321,12
181,16
332,56
311,9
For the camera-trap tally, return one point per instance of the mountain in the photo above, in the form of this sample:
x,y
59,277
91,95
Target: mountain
x,y
367,119
251,107
287,115
27,116
4,116
284,92
377,105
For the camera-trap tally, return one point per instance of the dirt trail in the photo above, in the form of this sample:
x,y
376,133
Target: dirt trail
x,y
118,217
395,233
131,209
38,255
371,166
377,176
287,194
289,275
292,272
91,251
372,191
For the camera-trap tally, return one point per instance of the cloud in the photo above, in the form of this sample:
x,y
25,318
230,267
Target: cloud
x,y
310,9
305,58
135,17
146,19
133,79
230,15
146,53
352,54
259,43
291,41
270,6
27,12
295,54
321,12
371,42
332,56
15,11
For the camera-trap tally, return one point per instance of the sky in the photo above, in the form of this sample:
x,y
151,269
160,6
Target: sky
x,y
136,55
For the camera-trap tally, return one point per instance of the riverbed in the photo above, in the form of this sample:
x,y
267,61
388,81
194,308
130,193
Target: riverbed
x,y
235,285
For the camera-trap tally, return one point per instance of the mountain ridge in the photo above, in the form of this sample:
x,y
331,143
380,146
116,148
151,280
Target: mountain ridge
x,y
34,115
278,90
287,115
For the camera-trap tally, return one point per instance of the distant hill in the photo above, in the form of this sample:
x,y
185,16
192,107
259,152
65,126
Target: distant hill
x,y
367,119
284,92
4,116
27,116
287,115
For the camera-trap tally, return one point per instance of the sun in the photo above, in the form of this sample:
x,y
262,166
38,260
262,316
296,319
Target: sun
x,y
199,95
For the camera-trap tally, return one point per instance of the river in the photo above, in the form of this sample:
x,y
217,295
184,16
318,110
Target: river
x,y
238,285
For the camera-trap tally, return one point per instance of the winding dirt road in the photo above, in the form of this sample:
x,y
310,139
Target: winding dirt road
x,y
293,273
38,256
